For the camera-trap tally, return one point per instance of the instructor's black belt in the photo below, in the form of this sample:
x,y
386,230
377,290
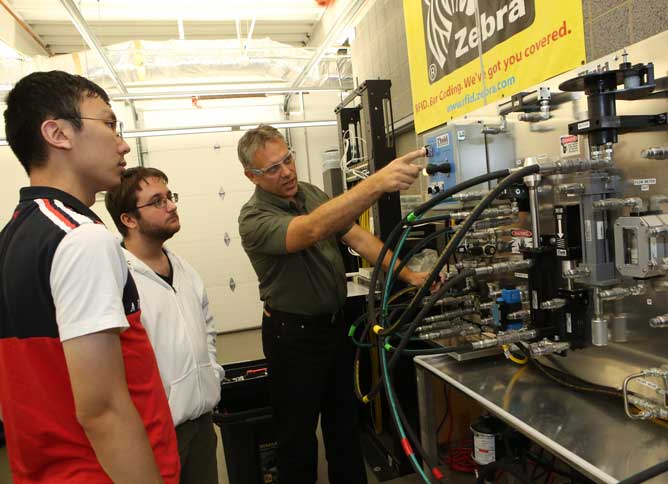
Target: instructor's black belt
x,y
294,319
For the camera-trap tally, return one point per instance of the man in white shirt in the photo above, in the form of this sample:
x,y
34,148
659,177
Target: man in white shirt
x,y
175,313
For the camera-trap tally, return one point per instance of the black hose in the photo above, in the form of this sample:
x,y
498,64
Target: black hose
x,y
407,335
647,474
461,233
394,234
501,465
410,433
417,212
418,247
454,242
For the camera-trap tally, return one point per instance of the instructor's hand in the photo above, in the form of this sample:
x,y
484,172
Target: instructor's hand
x,y
418,279
400,173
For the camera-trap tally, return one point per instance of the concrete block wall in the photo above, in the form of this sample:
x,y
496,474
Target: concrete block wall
x,y
379,50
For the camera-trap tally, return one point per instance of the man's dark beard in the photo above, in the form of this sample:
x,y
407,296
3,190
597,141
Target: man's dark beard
x,y
156,233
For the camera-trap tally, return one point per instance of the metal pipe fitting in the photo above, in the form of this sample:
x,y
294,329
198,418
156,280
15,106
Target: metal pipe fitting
x,y
505,338
472,195
467,300
659,321
577,272
501,128
622,292
547,347
489,213
553,304
448,315
571,189
500,267
521,314
462,330
655,153
486,233
636,203
572,166
491,223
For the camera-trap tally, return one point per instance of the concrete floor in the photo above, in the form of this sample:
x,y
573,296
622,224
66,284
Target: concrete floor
x,y
245,346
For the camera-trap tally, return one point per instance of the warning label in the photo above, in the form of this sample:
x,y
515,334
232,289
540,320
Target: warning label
x,y
570,145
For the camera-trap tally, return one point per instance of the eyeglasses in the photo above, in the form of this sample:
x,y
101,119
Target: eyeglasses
x,y
113,124
273,170
161,203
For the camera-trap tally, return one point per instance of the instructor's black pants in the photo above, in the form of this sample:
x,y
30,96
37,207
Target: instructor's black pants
x,y
311,374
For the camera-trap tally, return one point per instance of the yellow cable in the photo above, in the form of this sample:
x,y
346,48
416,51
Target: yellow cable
x,y
513,358
511,384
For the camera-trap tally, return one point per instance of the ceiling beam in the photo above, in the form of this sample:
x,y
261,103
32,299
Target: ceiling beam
x,y
92,42
33,35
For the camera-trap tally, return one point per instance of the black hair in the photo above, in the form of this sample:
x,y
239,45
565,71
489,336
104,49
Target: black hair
x,y
40,96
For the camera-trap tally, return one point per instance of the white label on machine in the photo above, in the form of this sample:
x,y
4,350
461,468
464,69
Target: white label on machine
x,y
569,325
534,299
600,230
562,252
584,125
522,275
644,181
443,140
644,188
588,236
484,448
570,145
649,301
461,134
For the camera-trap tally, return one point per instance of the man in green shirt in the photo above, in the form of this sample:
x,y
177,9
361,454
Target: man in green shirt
x,y
289,230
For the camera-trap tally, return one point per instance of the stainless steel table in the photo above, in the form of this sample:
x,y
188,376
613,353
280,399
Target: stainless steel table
x,y
589,432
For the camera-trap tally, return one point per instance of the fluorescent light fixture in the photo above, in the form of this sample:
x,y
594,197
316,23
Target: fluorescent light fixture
x,y
145,96
288,124
148,133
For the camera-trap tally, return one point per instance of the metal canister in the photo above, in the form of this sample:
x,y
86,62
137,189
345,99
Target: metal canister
x,y
486,439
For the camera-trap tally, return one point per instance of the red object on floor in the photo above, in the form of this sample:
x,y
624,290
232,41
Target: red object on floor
x,y
324,3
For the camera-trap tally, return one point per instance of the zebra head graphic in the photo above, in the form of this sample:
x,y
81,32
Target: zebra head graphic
x,y
438,27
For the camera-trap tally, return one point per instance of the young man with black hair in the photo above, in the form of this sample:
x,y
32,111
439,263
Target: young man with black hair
x,y
80,391
175,313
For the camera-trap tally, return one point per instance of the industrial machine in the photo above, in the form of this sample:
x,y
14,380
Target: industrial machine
x,y
555,212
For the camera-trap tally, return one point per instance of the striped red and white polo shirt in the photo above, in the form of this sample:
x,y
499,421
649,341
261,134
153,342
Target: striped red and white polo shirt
x,y
62,276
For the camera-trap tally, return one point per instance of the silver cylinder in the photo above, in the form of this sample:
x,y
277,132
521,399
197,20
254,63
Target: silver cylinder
x,y
599,332
620,328
535,225
599,325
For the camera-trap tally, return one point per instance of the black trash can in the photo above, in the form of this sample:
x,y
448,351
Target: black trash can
x,y
245,420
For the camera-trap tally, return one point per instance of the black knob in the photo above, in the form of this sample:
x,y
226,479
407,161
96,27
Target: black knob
x,y
442,168
489,249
